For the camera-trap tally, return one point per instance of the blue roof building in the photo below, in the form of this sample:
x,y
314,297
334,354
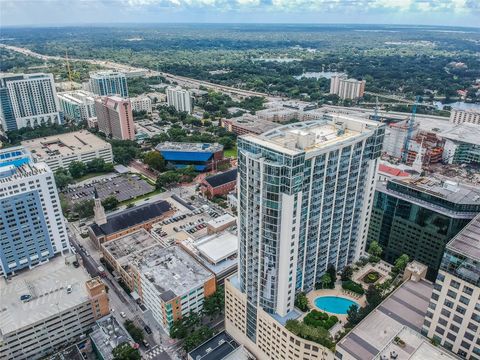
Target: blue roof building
x,y
201,156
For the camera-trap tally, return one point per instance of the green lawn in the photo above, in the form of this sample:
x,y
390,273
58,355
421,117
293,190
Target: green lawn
x,y
232,153
139,198
92,175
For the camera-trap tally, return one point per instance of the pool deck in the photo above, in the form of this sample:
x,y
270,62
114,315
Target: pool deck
x,y
338,292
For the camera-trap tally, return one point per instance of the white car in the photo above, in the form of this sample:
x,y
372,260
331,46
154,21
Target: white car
x,y
123,315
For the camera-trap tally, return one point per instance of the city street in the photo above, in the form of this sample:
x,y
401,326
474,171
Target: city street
x,y
161,346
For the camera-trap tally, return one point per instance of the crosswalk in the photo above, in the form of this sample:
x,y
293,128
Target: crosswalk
x,y
153,353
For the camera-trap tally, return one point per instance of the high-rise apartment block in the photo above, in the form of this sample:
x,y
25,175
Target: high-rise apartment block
x,y
31,222
418,216
180,99
115,117
347,88
28,100
46,308
459,116
304,195
453,315
77,105
106,83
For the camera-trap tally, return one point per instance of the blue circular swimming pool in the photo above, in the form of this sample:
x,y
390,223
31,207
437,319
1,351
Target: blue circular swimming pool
x,y
334,304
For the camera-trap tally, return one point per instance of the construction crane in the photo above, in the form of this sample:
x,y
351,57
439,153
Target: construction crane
x,y
410,126
69,71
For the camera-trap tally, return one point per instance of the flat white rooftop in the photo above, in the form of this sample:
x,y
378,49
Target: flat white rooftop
x,y
171,270
315,134
216,248
47,287
466,133
64,144
221,220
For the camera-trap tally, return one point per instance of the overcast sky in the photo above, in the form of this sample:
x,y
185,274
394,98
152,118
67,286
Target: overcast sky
x,y
66,12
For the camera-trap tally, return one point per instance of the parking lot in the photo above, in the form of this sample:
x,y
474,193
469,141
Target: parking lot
x,y
122,187
187,224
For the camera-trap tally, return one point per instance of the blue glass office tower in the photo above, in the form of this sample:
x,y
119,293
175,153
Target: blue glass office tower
x,y
31,223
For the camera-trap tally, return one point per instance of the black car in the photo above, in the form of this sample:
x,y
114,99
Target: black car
x,y
147,329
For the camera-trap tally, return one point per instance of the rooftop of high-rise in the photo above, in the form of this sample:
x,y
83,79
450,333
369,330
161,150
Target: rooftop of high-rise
x,y
104,73
467,241
451,191
35,295
315,135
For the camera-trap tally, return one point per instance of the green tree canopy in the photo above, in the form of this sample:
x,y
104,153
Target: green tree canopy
x,y
125,352
62,178
110,203
155,160
84,208
375,249
135,332
77,169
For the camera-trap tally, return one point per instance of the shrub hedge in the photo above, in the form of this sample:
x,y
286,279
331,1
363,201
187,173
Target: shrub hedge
x,y
353,286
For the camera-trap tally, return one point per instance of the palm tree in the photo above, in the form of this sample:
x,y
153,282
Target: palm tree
x,y
325,280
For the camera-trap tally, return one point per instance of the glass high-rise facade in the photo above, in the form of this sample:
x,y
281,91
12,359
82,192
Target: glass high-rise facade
x,y
304,195
107,83
418,217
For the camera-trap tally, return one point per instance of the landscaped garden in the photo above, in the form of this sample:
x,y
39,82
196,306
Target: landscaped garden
x,y
371,277
314,327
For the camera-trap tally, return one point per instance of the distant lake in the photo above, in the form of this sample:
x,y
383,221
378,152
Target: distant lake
x,y
457,105
318,75
279,60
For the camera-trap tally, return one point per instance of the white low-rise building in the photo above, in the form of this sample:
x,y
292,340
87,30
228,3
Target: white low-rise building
x,y
58,151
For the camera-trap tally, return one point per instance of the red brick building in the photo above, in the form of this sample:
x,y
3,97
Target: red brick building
x,y
219,184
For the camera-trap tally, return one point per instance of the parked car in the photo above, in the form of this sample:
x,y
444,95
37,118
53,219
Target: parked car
x,y
123,315
147,329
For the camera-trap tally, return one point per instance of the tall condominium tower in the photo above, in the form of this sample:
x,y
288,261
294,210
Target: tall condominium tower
x,y
28,100
115,117
346,88
305,192
453,315
31,222
106,83
180,99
